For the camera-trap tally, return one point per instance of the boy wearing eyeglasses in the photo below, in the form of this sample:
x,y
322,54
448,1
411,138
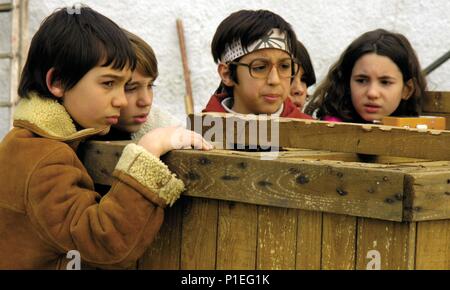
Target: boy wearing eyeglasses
x,y
254,51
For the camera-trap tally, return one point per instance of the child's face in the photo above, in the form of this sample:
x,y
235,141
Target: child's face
x,y
298,90
139,92
95,101
376,86
261,96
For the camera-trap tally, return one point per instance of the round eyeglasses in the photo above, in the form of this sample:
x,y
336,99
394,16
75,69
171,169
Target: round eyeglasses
x,y
260,68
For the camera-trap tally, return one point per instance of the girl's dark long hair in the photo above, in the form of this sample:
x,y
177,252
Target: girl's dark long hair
x,y
333,96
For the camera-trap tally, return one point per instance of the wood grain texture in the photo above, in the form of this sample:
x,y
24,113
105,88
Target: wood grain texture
x,y
393,240
368,191
436,102
165,251
237,236
319,135
309,240
199,234
277,238
433,245
338,242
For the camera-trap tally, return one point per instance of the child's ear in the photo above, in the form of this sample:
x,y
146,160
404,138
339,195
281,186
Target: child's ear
x,y
408,90
225,74
54,87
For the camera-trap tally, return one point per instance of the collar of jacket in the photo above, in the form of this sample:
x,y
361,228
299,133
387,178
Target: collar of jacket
x,y
47,118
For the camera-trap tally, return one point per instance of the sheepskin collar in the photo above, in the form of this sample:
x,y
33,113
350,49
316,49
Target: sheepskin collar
x,y
47,118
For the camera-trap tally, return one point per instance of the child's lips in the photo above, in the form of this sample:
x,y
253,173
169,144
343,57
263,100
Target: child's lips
x,y
271,98
371,109
112,120
140,119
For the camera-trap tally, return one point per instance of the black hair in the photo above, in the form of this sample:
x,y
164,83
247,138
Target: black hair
x,y
302,57
73,41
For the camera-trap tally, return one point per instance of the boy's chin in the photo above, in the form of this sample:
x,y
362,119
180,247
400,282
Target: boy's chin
x,y
269,110
106,131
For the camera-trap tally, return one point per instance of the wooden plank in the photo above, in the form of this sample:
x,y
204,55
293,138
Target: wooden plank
x,y
436,102
338,242
318,135
428,195
100,159
433,245
199,234
6,7
367,190
277,238
165,251
237,235
393,241
313,185
445,115
309,240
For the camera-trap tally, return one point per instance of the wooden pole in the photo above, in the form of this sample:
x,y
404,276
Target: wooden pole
x,y
188,101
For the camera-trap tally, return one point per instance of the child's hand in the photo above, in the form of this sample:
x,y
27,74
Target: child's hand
x,y
162,140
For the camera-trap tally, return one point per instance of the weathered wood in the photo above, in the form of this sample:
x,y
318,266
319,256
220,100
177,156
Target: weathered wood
x,y
394,241
199,234
165,251
277,236
237,210
445,115
436,102
338,242
319,135
433,245
309,240
237,236
403,189
188,98
313,185
429,194
100,159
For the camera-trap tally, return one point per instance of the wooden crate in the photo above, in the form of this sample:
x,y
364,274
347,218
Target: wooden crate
x,y
307,209
438,104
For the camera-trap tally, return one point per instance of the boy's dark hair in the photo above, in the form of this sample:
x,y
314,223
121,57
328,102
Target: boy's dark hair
x,y
146,63
72,44
333,96
302,56
248,26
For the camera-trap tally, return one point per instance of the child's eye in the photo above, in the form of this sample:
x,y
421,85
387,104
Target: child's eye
x,y
108,84
284,66
386,83
361,81
260,67
130,88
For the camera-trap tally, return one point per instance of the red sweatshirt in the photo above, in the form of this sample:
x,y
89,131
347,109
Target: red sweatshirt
x,y
289,110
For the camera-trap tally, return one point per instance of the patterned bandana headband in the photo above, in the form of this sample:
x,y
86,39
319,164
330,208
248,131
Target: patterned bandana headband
x,y
273,39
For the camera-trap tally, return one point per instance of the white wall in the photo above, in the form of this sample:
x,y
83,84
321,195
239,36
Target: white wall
x,y
326,27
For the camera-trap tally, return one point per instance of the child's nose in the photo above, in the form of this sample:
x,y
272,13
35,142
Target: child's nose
x,y
297,88
120,101
274,76
373,92
145,98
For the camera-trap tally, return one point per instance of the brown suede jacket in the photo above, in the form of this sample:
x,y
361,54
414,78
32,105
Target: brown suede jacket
x,y
48,205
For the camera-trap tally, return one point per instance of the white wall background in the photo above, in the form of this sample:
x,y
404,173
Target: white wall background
x,y
326,27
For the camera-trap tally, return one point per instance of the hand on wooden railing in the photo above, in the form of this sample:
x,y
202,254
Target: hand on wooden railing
x,y
162,140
